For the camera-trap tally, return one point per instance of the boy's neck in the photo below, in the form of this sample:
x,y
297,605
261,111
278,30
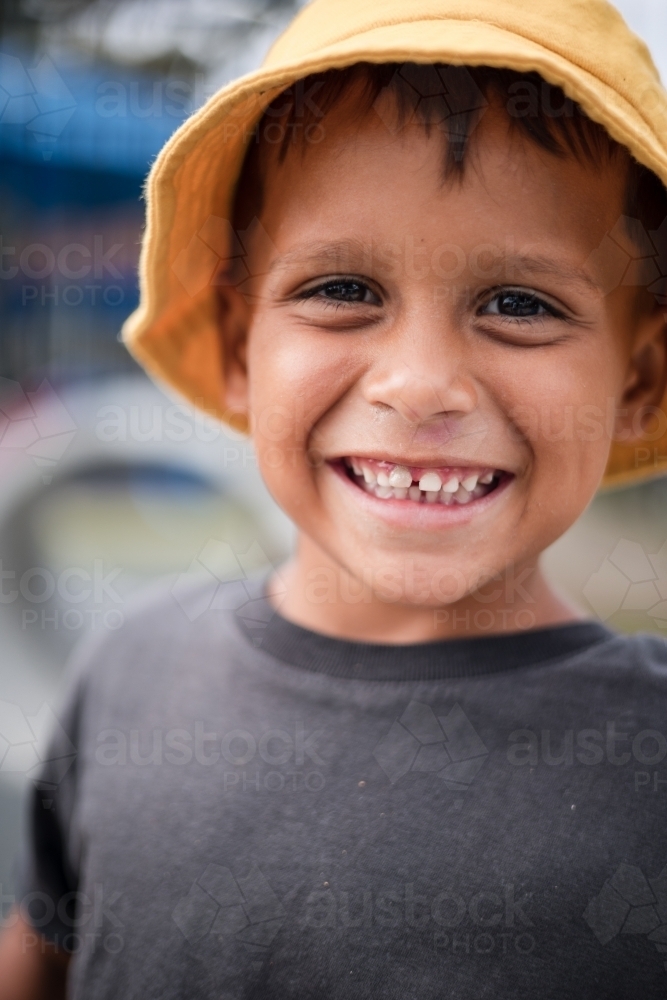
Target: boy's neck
x,y
313,591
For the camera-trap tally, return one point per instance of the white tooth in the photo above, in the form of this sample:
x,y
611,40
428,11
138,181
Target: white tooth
x,y
432,496
445,498
486,478
478,492
462,495
384,492
369,475
383,478
401,477
470,482
430,482
356,468
415,493
452,485
400,492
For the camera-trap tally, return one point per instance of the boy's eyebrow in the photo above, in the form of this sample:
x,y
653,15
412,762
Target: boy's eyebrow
x,y
538,264
324,252
354,250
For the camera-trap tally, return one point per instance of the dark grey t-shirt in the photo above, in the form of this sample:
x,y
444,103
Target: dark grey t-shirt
x,y
239,808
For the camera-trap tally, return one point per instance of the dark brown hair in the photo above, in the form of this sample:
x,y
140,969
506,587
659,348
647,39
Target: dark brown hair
x,y
451,99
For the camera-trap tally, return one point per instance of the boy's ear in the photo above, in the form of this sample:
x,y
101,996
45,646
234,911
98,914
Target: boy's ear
x,y
646,376
234,322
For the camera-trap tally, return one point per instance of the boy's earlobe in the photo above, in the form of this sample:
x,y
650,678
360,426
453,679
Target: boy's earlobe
x,y
646,380
233,324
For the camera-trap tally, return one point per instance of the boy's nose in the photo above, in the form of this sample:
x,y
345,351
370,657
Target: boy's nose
x,y
420,391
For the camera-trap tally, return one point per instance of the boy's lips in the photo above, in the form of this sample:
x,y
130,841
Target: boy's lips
x,y
448,485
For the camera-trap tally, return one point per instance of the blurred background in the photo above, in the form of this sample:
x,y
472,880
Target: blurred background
x,y
105,483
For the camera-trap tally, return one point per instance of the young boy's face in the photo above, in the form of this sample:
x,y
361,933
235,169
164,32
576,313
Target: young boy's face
x,y
464,331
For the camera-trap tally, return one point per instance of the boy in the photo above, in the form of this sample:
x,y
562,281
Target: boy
x,y
401,766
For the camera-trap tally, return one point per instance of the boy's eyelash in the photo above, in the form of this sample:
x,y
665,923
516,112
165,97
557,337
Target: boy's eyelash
x,y
334,304
551,310
310,293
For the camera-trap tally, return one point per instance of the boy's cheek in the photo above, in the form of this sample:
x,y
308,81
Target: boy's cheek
x,y
569,445
577,425
295,379
570,403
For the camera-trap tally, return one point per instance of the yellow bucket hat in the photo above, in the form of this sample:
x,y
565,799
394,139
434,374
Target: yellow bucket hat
x,y
583,46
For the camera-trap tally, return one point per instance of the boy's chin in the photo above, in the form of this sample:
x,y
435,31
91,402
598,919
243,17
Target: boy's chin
x,y
416,579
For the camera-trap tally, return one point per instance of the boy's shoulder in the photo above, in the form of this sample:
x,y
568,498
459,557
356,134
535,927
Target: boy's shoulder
x,y
625,662
173,607
169,624
644,651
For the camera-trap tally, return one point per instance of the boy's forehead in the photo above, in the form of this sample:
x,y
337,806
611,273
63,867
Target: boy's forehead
x,y
361,165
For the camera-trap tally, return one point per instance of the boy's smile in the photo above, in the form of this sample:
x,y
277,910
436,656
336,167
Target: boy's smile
x,y
435,496
448,485
434,369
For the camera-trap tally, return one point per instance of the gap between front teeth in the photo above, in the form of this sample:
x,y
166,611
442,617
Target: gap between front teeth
x,y
398,484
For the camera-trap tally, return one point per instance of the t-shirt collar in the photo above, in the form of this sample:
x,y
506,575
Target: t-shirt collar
x,y
266,629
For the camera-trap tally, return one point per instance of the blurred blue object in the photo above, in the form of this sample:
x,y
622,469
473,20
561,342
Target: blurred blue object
x,y
86,115
77,137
